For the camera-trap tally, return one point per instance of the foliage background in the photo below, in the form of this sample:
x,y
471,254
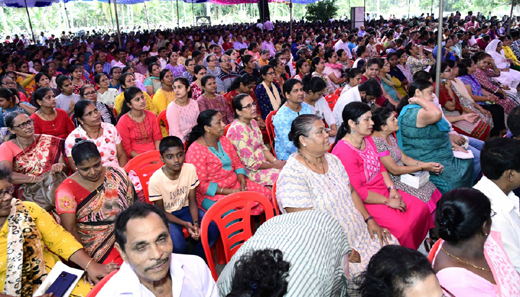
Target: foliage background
x,y
90,15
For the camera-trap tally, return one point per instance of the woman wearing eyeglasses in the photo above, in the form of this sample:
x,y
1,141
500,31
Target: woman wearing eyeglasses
x,y
212,62
88,92
7,82
268,92
245,135
27,154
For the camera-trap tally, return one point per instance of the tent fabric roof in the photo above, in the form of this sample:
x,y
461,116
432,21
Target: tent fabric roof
x,y
43,3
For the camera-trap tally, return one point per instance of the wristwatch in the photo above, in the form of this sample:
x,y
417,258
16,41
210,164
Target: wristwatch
x,y
392,188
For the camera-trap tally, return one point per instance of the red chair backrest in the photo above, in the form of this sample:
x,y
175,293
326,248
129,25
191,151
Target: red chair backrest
x,y
270,129
226,129
235,227
331,100
275,202
433,251
144,166
338,91
162,117
95,290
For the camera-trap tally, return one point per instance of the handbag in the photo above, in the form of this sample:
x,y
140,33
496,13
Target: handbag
x,y
43,192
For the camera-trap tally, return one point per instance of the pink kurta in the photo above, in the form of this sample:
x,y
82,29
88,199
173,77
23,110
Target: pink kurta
x,y
365,172
462,282
211,173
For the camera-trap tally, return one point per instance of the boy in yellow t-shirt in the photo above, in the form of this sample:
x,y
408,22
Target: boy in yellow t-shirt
x,y
172,188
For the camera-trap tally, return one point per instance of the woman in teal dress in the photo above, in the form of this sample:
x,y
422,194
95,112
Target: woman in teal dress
x,y
424,135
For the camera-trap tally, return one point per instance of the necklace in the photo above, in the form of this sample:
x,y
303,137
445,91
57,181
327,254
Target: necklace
x,y
207,144
360,145
20,145
136,119
97,134
467,263
47,119
307,161
90,185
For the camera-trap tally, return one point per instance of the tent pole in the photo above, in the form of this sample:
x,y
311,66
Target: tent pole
x,y
408,9
510,17
193,12
178,15
30,23
110,9
146,14
439,48
117,23
290,16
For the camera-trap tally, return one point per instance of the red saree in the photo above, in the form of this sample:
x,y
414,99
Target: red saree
x,y
39,157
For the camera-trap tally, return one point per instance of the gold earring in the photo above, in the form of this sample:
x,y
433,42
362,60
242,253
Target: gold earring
x,y
486,234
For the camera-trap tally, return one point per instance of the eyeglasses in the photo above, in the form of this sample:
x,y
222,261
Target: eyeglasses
x,y
247,106
493,213
9,191
213,60
24,125
9,83
89,93
269,73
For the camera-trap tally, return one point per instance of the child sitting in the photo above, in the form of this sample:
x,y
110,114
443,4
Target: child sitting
x,y
172,188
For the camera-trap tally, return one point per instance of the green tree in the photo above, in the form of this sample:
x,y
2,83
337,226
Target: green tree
x,y
321,11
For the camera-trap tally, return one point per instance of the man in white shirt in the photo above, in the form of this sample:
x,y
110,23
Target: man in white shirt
x,y
43,38
366,92
500,161
150,268
119,59
343,44
163,56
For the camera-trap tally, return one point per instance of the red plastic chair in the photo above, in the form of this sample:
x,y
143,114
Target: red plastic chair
x,y
235,227
433,251
95,290
144,166
331,100
162,118
226,129
275,202
338,92
270,129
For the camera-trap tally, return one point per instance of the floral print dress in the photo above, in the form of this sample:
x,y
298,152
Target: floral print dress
x,y
250,147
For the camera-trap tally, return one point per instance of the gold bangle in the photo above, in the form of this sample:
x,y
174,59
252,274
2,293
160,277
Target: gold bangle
x,y
86,267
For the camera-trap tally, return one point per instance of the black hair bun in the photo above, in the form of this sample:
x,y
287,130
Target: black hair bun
x,y
449,220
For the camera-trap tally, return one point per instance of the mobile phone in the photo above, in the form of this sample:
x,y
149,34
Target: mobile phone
x,y
60,286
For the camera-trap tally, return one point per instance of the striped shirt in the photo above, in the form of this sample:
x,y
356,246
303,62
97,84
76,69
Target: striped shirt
x,y
312,241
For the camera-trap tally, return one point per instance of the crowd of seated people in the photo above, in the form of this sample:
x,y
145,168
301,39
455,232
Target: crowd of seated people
x,y
329,123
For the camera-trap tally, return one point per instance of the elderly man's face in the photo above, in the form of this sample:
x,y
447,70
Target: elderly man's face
x,y
148,248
